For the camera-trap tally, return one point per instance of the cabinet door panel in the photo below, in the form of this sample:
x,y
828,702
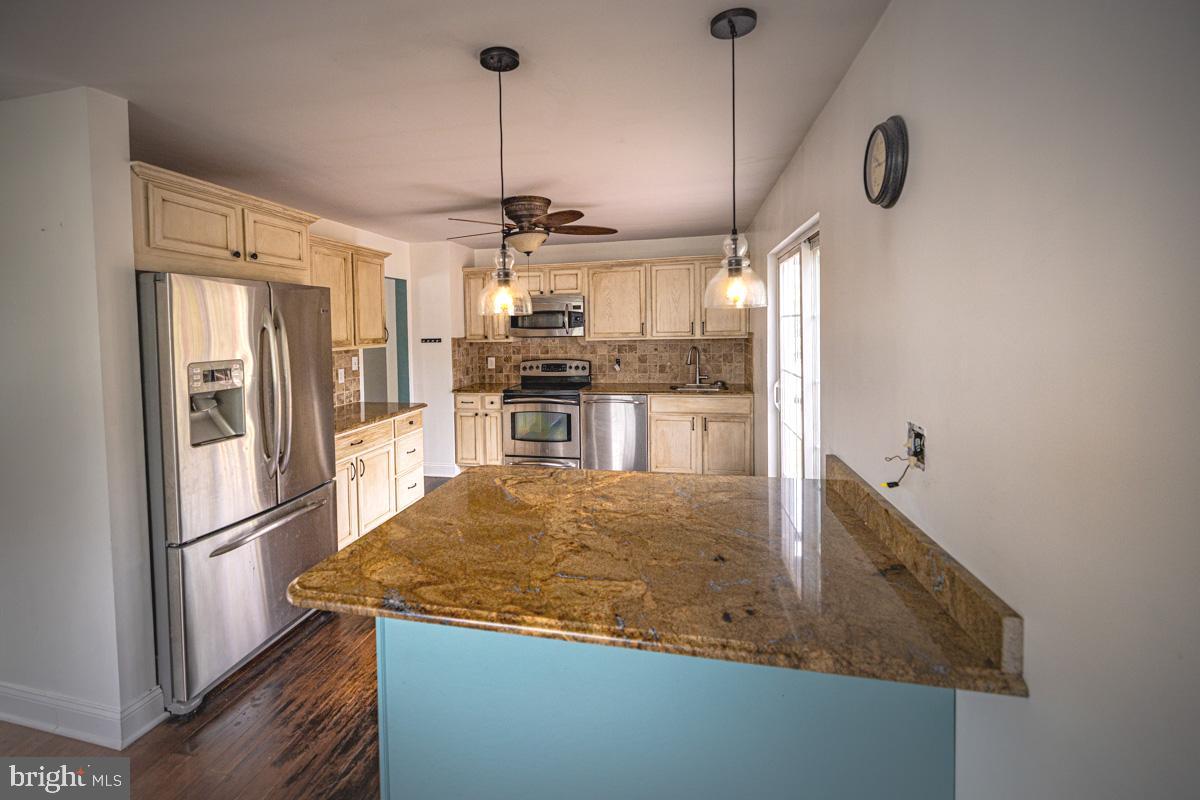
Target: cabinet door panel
x,y
727,445
493,442
274,240
376,489
674,443
370,316
184,223
719,321
410,487
332,268
468,438
532,279
565,281
346,495
672,300
475,322
617,302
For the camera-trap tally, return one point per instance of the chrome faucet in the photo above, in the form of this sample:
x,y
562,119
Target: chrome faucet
x,y
693,360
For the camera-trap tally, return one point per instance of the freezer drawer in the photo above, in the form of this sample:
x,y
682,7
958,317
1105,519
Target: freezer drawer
x,y
229,590
614,432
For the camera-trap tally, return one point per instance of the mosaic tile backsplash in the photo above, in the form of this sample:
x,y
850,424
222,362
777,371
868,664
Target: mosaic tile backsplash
x,y
351,390
647,361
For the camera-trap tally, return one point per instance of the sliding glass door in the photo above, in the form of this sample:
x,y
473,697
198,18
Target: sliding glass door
x,y
798,392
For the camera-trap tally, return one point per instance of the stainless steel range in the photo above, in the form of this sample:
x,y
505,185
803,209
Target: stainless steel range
x,y
541,414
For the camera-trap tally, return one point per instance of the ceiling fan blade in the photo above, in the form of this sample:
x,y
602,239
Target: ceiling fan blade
x,y
557,218
469,235
584,230
479,222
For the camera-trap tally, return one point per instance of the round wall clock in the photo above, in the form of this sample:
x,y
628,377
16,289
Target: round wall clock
x,y
885,162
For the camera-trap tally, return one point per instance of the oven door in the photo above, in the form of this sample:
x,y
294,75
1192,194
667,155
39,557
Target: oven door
x,y
544,427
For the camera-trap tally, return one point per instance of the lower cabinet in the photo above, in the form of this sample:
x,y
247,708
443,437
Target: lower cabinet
x,y
478,430
702,435
379,472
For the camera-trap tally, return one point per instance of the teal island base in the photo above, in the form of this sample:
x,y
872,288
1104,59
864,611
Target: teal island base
x,y
466,713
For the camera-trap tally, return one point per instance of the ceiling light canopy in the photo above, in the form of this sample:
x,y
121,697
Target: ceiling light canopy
x,y
735,285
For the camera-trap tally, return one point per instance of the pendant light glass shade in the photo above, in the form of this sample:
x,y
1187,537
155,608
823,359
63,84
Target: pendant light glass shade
x,y
526,241
503,295
736,285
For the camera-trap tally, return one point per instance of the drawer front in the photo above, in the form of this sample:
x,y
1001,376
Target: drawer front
x,y
410,452
491,401
355,442
407,424
471,401
410,487
674,404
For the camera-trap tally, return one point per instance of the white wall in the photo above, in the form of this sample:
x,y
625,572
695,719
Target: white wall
x,y
1032,300
564,251
75,622
436,312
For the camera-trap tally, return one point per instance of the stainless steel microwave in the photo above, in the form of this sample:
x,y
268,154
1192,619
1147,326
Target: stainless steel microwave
x,y
553,315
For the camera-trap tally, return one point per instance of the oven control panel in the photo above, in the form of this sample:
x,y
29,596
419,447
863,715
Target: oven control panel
x,y
552,367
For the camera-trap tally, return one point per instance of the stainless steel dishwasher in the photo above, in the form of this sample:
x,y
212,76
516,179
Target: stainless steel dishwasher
x,y
615,432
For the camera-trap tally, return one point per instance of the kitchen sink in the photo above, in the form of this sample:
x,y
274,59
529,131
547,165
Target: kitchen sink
x,y
702,388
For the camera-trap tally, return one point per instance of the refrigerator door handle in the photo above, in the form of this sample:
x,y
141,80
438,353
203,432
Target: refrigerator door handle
x,y
265,529
285,454
271,452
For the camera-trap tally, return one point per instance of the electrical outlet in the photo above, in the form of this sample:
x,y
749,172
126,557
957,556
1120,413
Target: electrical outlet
x,y
491,362
916,446
354,363
617,364
341,374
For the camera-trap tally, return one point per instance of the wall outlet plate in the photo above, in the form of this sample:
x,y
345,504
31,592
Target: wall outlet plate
x,y
354,363
341,374
491,362
916,446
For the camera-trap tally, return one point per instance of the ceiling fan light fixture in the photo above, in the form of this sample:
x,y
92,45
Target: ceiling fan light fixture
x,y
503,295
736,285
526,241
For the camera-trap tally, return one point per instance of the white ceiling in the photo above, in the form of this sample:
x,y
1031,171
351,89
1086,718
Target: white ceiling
x,y
376,112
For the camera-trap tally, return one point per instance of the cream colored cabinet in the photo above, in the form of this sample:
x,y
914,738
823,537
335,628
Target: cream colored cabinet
x,y
379,472
370,314
616,302
477,325
355,278
674,443
533,280
332,267
672,301
561,280
718,322
181,224
478,432
346,492
709,435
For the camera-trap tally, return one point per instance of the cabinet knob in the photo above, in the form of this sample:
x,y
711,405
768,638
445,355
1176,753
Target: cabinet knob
x,y
236,253
254,256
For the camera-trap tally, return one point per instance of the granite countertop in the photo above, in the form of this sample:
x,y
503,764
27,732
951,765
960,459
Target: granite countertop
x,y
698,565
359,415
614,388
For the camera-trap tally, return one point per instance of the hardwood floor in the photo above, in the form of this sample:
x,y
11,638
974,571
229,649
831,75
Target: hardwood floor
x,y
297,722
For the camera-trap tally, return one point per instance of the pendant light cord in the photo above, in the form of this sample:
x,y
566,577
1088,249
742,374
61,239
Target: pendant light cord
x,y
733,119
500,93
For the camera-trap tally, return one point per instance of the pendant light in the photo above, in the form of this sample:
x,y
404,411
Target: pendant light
x,y
735,285
503,295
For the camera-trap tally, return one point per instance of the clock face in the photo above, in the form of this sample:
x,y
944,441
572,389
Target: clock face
x,y
876,166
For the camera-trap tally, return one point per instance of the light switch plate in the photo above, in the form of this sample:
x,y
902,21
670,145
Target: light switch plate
x,y
916,446
341,374
354,363
491,362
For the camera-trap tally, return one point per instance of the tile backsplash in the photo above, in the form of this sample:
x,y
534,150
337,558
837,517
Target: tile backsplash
x,y
645,361
351,390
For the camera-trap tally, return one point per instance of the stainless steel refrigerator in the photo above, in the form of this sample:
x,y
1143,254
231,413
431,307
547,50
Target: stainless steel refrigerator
x,y
239,438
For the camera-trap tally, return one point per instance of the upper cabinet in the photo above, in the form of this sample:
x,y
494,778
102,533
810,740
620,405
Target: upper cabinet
x,y
660,299
355,278
616,302
182,224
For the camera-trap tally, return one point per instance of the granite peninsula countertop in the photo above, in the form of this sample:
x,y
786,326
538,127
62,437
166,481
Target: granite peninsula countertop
x,y
698,565
615,388
353,416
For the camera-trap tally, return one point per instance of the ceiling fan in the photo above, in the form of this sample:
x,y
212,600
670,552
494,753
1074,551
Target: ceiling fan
x,y
532,222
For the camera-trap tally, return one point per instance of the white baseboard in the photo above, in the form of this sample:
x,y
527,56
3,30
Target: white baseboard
x,y
433,470
107,726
